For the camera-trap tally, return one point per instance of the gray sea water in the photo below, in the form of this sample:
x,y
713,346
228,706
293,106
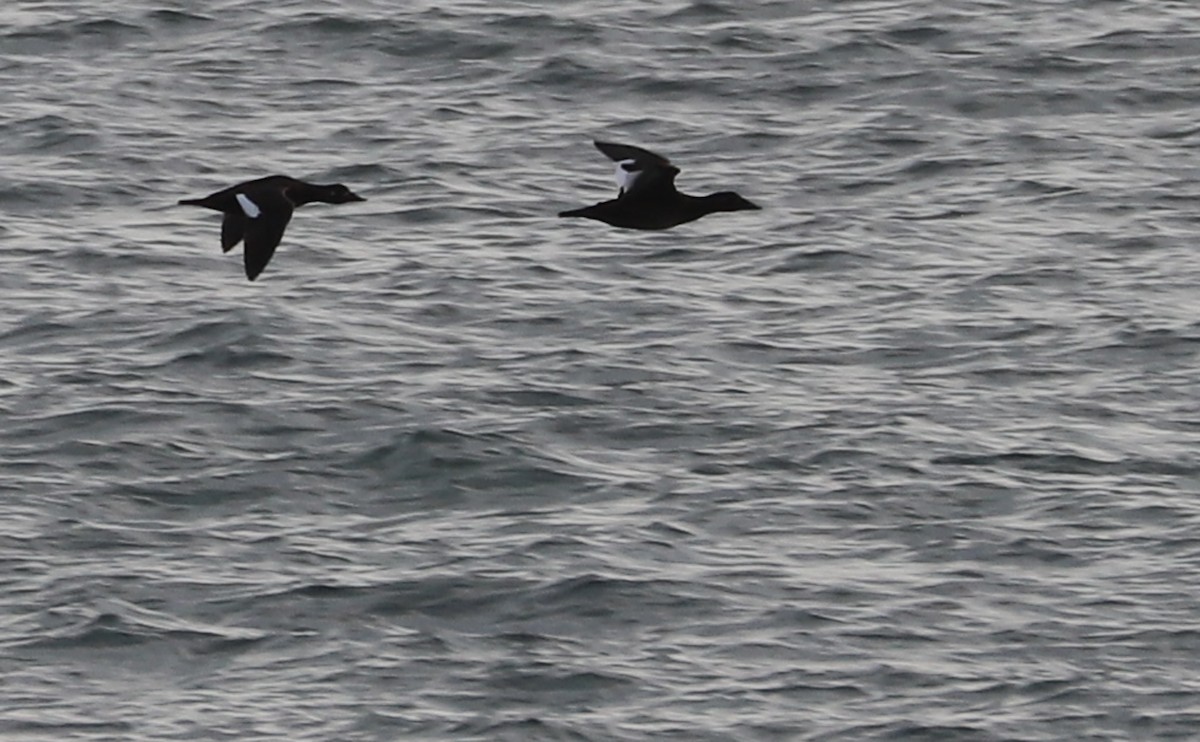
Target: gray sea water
x,y
913,453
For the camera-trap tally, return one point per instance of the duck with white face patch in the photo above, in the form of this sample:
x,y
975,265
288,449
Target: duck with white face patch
x,y
258,211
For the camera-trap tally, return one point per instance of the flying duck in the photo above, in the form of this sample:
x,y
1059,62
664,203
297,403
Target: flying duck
x,y
647,198
259,211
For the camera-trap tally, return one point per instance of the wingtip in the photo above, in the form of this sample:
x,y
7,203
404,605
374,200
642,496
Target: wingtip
x,y
608,147
253,269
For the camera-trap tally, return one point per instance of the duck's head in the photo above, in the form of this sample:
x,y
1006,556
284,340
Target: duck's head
x,y
337,194
729,201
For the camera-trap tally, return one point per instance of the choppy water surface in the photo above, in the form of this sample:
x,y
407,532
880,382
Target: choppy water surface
x,y
909,454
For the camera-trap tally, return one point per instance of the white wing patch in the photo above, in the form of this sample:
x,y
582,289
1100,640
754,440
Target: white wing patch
x,y
626,178
249,207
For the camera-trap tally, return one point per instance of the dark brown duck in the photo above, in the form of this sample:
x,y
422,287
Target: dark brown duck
x,y
647,198
259,210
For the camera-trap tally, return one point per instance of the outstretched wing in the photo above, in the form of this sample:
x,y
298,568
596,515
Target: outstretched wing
x,y
267,214
639,171
618,152
233,229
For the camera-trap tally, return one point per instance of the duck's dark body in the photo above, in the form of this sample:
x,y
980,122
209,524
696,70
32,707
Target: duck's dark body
x,y
651,201
258,211
663,212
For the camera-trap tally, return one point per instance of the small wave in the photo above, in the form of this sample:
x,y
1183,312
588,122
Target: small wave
x,y
1065,463
35,330
50,133
97,419
547,679
64,729
124,624
701,10
915,35
565,71
177,19
816,261
54,37
1049,63
542,398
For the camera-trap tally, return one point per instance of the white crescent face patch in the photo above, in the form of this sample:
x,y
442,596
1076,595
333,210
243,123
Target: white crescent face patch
x,y
626,178
249,207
